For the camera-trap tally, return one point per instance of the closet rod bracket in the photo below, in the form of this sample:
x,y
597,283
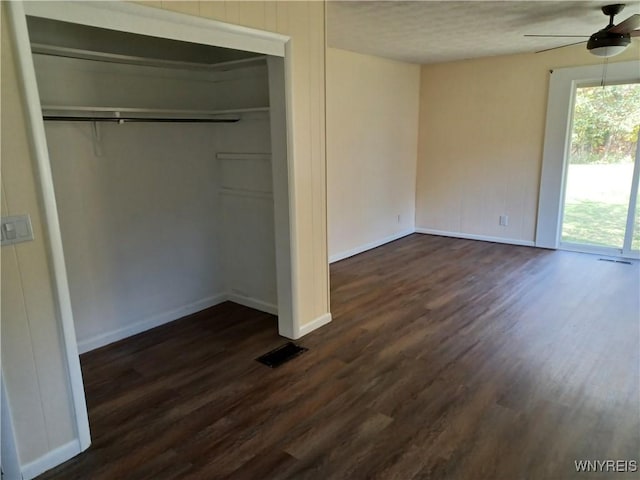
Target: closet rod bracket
x,y
97,139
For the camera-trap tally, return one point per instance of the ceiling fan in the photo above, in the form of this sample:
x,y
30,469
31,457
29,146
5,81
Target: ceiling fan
x,y
612,39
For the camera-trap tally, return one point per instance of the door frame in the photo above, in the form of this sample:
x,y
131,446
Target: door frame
x,y
144,20
557,141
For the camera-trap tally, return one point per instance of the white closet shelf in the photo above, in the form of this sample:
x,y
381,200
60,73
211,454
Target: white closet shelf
x,y
129,114
67,52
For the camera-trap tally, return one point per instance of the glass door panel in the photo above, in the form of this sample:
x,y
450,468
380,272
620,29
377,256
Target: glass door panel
x,y
600,169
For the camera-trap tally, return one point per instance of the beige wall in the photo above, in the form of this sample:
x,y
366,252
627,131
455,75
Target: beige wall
x,y
481,138
372,131
32,356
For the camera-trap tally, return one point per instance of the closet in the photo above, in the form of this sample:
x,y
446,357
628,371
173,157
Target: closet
x,y
160,152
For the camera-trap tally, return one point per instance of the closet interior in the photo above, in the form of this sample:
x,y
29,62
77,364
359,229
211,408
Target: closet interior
x,y
160,152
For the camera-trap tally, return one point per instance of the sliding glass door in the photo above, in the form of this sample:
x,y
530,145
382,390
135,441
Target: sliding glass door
x,y
600,208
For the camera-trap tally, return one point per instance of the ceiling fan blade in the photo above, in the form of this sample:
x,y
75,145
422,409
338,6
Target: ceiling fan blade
x,y
635,33
627,25
559,36
561,46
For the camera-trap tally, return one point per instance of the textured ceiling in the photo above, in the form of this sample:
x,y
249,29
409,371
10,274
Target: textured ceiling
x,y
441,31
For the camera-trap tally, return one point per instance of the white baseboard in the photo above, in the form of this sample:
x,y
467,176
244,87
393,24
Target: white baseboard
x,y
155,321
51,459
253,303
470,236
313,325
171,315
368,246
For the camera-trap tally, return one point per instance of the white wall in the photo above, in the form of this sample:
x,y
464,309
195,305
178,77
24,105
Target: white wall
x,y
139,224
70,81
246,201
372,138
148,236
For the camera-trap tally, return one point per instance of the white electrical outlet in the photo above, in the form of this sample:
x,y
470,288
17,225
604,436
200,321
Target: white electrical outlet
x,y
504,220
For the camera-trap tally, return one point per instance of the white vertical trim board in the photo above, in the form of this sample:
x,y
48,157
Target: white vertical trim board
x,y
282,178
38,140
51,459
368,246
562,85
309,327
470,236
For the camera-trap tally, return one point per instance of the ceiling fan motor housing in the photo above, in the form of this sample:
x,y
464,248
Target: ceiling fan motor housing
x,y
606,43
604,38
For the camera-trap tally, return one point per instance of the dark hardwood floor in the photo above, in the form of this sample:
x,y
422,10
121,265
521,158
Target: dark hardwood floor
x,y
446,359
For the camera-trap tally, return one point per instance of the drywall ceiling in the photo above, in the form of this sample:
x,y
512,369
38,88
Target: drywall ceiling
x,y
441,31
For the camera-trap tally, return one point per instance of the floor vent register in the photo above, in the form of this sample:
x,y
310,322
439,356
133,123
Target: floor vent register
x,y
625,262
282,354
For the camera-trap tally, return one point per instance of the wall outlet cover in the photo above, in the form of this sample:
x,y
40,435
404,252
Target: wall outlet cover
x,y
16,229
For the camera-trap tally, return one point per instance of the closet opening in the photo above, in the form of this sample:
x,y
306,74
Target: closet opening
x,y
160,152
164,169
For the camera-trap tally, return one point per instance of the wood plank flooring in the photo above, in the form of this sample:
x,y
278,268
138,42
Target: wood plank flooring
x,y
446,359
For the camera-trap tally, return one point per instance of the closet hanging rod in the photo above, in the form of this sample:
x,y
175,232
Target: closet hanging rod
x,y
138,112
60,118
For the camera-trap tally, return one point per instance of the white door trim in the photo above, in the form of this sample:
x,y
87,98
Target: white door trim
x,y
144,20
562,87
132,18
631,214
61,285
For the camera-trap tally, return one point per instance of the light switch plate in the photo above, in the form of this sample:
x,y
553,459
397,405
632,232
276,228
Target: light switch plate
x,y
16,229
